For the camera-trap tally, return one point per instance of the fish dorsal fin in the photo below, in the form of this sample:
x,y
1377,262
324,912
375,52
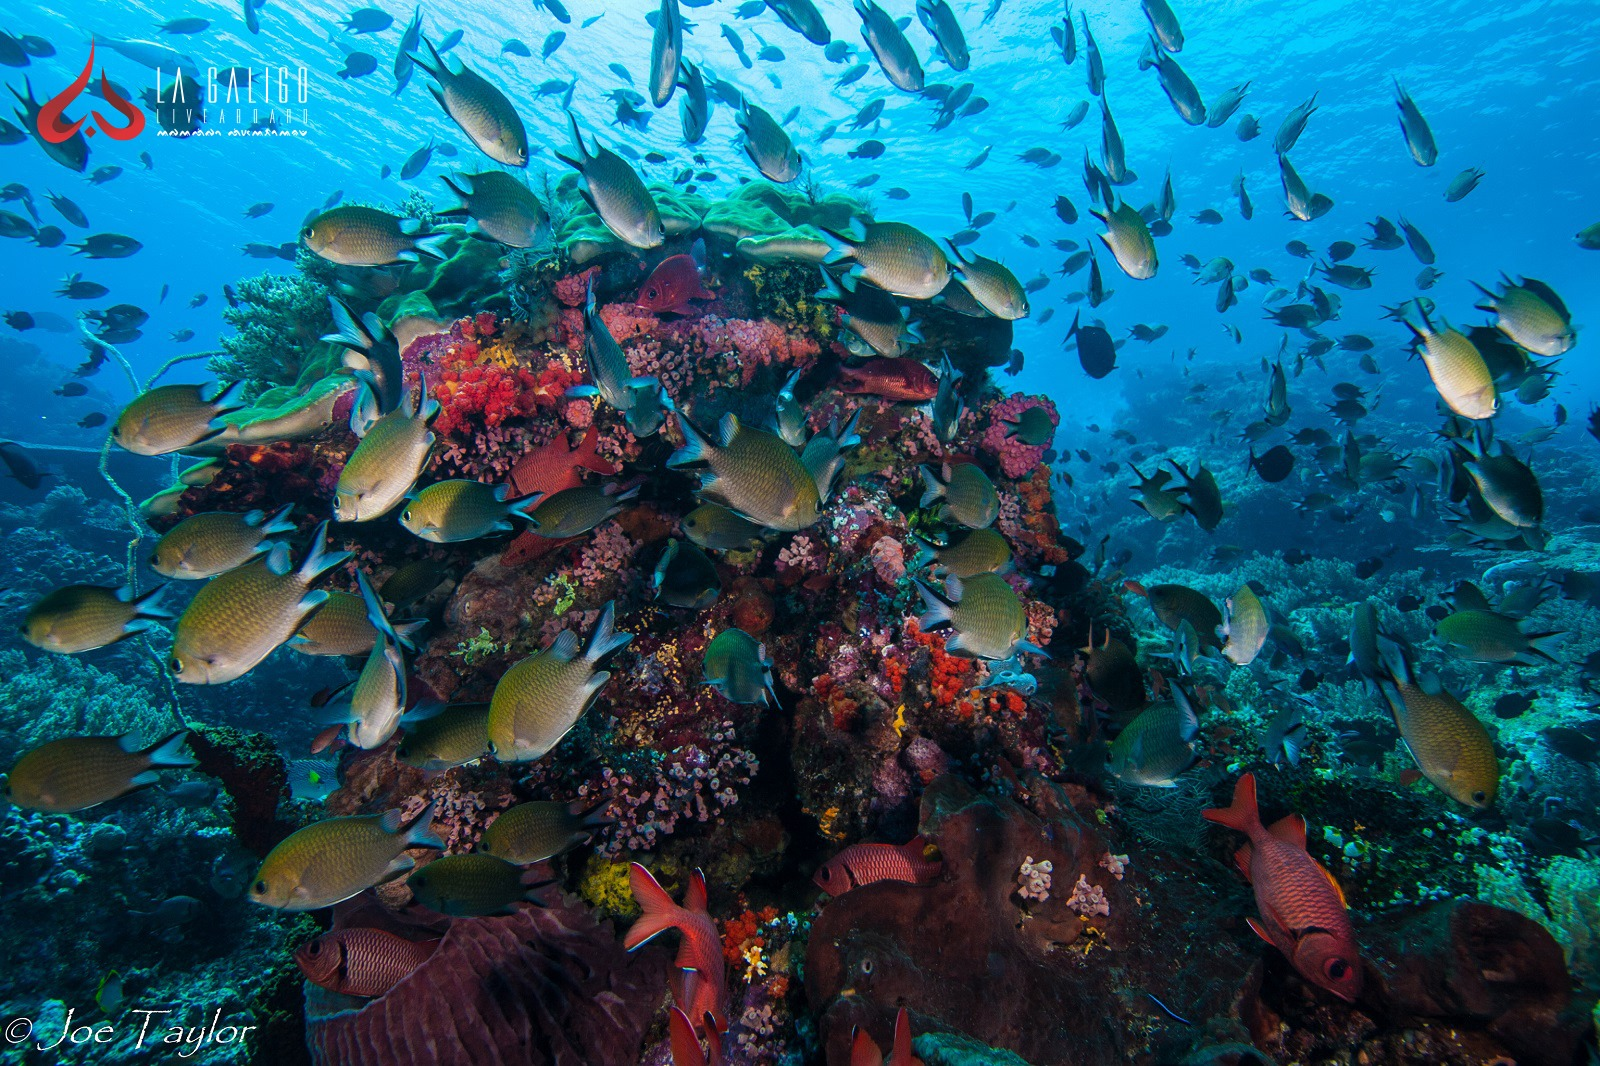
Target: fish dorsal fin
x,y
728,429
564,648
278,560
1338,890
1290,829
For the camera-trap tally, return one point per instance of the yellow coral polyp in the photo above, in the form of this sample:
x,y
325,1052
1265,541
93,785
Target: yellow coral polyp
x,y
498,352
604,886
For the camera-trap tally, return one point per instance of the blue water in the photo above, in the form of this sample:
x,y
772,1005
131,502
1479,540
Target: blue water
x,y
1508,88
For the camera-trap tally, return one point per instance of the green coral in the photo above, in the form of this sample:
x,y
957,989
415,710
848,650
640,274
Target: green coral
x,y
476,649
1571,911
954,1049
278,320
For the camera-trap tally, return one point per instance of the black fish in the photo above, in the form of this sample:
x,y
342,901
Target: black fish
x,y
1096,350
19,462
1368,566
1275,464
91,420
1512,705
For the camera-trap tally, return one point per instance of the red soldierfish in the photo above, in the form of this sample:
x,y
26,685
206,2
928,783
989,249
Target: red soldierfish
x,y
705,988
361,962
863,864
1302,907
901,380
686,1046
671,285
864,1052
550,468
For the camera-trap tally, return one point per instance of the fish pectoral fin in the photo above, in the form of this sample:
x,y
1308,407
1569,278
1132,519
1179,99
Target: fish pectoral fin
x,y
1261,931
399,866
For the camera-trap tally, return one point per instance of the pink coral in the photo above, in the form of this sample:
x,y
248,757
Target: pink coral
x,y
889,560
1016,458
607,554
573,289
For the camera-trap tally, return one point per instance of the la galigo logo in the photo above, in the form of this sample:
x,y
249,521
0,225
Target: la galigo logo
x,y
53,128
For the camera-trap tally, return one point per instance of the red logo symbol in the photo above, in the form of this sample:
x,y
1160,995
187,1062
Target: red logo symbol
x,y
53,129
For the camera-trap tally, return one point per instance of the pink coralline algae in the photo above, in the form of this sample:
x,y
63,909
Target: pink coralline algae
x,y
608,553
689,783
459,813
1016,458
799,554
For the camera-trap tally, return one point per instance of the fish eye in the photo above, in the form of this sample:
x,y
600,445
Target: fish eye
x,y
866,967
1337,968
651,294
306,233
314,948
175,664
1479,797
259,888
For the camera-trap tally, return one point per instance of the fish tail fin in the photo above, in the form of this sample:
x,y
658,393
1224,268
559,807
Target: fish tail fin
x,y
170,752
932,487
524,507
938,611
686,1049
377,617
925,553
432,245
596,817
319,559
659,912
695,446
531,884
902,1037
348,331
1242,814
1393,656
149,606
420,834
605,639
1544,645
864,1051
279,522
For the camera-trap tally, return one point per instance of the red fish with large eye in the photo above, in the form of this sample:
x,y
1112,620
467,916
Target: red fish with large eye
x,y
863,864
361,962
671,285
1302,908
902,380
